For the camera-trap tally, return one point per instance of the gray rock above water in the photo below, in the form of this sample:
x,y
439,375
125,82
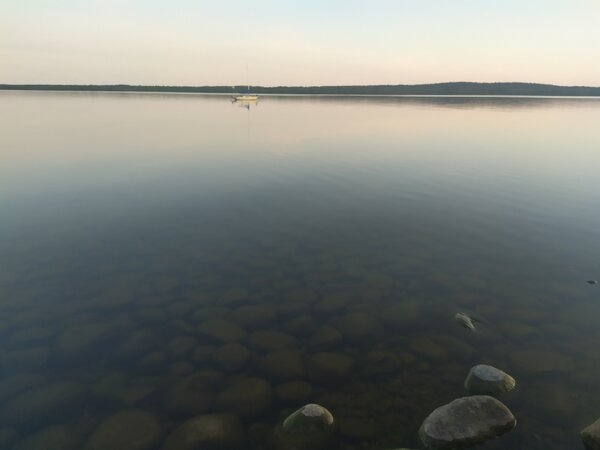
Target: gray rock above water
x,y
591,436
310,418
484,379
311,427
466,422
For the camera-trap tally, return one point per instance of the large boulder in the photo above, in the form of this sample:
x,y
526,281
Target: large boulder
x,y
591,436
466,422
126,430
487,380
311,427
248,397
208,432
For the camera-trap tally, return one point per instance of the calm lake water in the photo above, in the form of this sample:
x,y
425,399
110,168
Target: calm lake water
x,y
180,255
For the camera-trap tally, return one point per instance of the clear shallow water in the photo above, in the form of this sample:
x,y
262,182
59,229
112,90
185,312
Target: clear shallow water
x,y
132,224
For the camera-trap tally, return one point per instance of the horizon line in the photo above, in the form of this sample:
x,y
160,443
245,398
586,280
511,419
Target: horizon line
x,y
437,83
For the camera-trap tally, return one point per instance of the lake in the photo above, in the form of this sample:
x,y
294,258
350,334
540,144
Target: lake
x,y
181,255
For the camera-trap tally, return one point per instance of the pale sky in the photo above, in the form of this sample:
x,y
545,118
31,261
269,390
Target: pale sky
x,y
308,42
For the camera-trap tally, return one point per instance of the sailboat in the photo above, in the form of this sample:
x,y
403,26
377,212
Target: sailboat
x,y
247,97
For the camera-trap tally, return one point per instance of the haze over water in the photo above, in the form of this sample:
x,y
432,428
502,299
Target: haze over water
x,y
353,226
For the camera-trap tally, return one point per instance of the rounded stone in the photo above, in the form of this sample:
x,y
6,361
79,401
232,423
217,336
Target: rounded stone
x,y
208,432
78,340
126,430
466,422
181,346
136,344
192,395
282,365
329,368
333,303
311,418
7,437
266,341
326,338
484,379
300,326
222,330
252,317
591,436
153,361
401,314
540,361
380,364
203,353
311,427
294,392
358,327
51,438
247,397
46,404
231,357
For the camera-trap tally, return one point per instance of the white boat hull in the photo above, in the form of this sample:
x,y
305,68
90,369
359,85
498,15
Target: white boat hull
x,y
245,98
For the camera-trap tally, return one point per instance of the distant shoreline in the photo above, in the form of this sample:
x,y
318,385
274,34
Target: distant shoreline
x,y
458,89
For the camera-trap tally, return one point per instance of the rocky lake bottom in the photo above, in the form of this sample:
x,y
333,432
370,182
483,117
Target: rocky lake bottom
x,y
127,311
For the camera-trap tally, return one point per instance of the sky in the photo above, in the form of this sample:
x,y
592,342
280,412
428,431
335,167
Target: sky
x,y
308,42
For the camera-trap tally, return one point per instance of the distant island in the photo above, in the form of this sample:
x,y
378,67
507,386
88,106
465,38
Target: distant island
x,y
454,88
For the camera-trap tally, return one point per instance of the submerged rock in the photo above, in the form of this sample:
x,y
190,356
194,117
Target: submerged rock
x,y
231,357
311,418
222,330
182,346
326,338
466,422
540,361
329,367
591,436
252,317
484,379
248,397
7,437
333,303
208,432
78,340
50,403
51,438
126,430
282,365
359,327
380,364
401,314
311,427
294,392
266,341
193,395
